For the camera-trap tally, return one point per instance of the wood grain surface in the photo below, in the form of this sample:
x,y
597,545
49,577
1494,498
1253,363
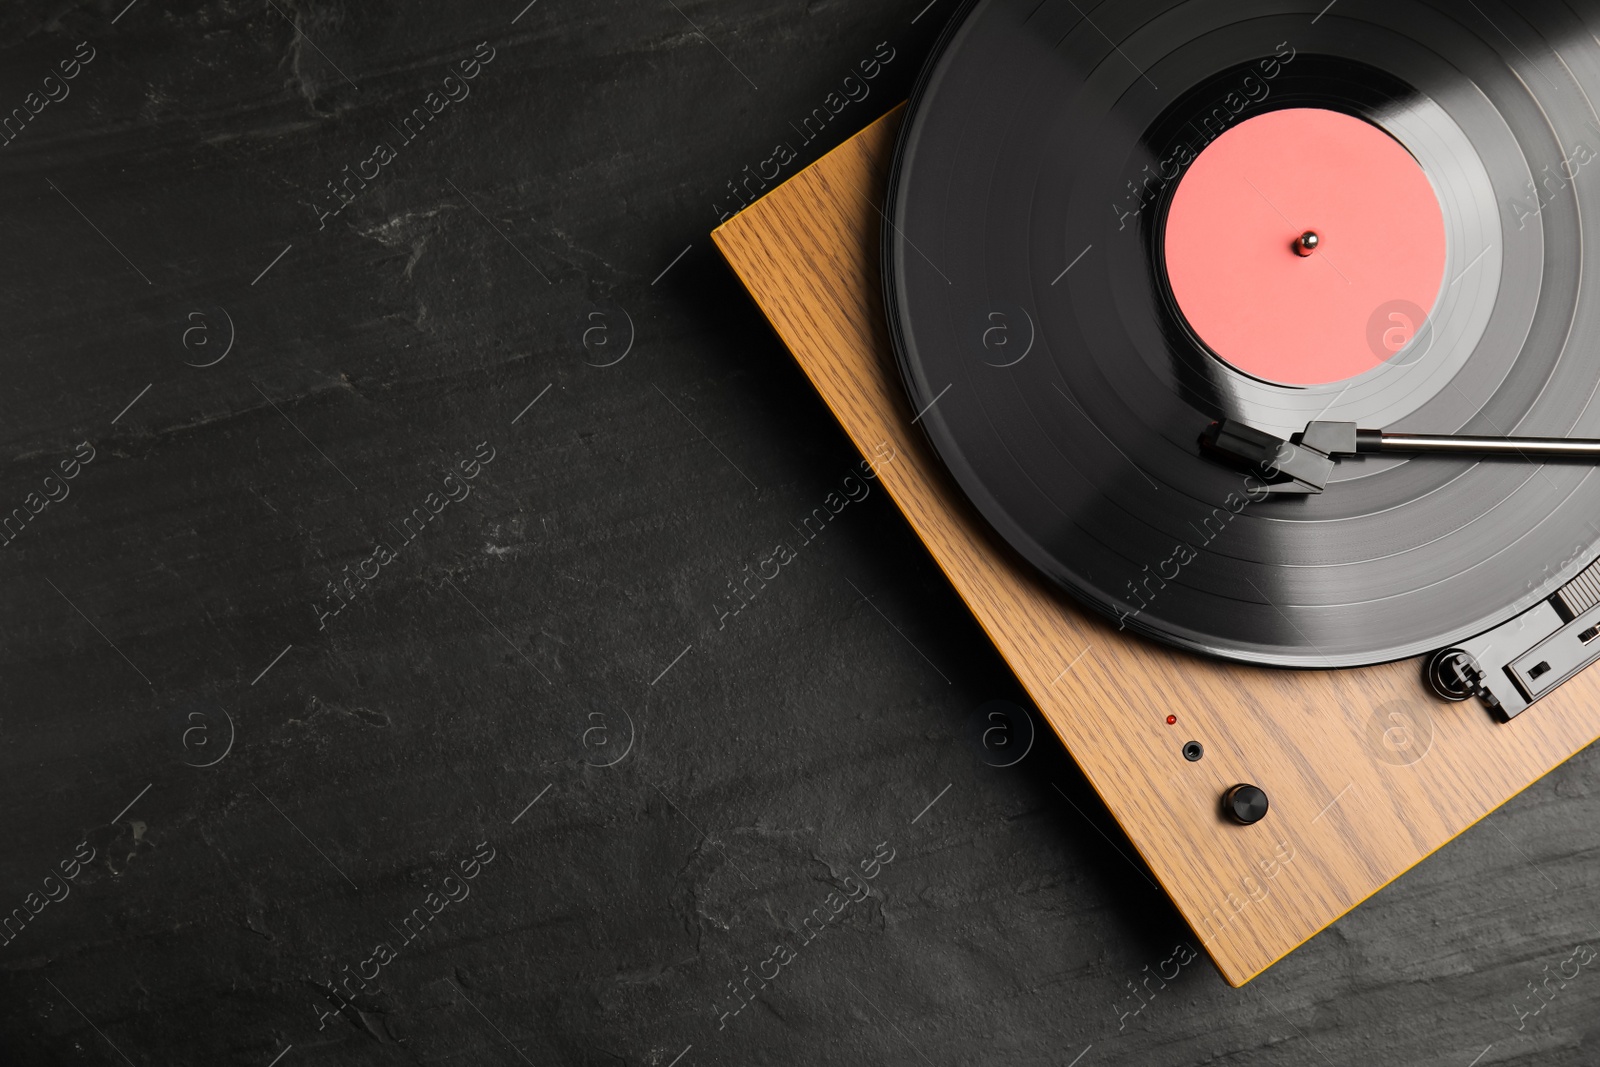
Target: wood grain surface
x,y
1366,771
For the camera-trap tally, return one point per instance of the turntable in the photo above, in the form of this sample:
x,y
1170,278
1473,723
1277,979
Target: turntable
x,y
1243,364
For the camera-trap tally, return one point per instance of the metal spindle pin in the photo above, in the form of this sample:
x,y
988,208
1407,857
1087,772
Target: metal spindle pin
x,y
1307,243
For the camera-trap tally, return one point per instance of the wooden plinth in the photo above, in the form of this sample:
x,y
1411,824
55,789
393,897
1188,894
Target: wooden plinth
x,y
1367,773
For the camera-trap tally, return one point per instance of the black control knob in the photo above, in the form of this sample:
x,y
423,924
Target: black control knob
x,y
1245,804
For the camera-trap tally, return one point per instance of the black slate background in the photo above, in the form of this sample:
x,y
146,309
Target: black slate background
x,y
526,636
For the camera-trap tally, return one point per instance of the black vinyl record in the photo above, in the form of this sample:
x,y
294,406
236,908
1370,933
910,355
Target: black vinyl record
x,y
1039,342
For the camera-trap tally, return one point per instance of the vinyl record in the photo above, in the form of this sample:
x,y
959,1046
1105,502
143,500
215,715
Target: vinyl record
x,y
1091,254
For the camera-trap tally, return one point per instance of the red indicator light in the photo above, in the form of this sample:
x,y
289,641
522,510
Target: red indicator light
x,y
1172,720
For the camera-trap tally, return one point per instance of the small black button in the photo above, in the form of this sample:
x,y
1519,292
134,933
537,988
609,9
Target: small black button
x,y
1245,804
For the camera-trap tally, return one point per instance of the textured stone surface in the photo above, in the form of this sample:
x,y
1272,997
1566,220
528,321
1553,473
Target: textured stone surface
x,y
563,614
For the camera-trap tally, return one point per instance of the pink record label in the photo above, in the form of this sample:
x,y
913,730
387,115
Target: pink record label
x,y
1321,310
